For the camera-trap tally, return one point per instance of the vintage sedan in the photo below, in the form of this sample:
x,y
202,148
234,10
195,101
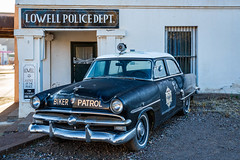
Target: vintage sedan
x,y
122,97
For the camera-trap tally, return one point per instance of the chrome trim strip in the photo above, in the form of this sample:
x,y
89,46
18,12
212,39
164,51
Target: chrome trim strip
x,y
141,108
168,77
82,121
78,112
86,135
169,109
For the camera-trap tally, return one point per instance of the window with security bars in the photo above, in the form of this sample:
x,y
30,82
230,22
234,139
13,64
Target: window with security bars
x,y
181,43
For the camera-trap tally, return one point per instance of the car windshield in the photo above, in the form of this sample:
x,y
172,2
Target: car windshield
x,y
136,69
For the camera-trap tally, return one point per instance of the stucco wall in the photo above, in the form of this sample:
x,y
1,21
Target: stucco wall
x,y
217,38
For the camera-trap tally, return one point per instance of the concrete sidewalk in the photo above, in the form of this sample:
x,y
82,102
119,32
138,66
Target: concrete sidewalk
x,y
14,131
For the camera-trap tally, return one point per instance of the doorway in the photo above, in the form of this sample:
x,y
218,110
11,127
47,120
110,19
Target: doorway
x,y
82,55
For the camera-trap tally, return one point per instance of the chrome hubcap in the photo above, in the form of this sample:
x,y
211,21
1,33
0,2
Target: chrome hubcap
x,y
140,130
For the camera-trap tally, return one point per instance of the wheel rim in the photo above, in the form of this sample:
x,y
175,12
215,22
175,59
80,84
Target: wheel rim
x,y
187,105
142,130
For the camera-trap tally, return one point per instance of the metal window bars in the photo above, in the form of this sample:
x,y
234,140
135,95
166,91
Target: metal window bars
x,y
82,61
181,43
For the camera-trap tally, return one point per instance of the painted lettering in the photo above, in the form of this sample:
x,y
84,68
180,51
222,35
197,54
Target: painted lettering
x,y
99,104
66,101
100,18
111,18
83,18
53,19
84,103
58,19
95,18
48,18
71,18
79,102
88,103
60,101
55,102
27,21
89,18
33,18
65,17
91,103
75,18
105,18
41,19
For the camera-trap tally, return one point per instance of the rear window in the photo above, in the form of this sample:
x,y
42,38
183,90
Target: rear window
x,y
172,67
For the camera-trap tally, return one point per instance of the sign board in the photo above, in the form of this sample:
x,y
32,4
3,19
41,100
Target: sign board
x,y
70,18
28,80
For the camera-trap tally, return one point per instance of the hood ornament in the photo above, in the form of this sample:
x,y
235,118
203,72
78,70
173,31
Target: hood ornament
x,y
76,88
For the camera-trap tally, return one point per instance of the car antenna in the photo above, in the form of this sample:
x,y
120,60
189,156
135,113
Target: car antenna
x,y
121,47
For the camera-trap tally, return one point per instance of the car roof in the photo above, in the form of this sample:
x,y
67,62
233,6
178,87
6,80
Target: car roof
x,y
136,54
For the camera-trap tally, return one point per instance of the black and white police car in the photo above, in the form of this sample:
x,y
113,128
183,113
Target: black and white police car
x,y
122,97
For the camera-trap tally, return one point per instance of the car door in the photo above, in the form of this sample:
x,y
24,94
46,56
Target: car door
x,y
176,79
166,89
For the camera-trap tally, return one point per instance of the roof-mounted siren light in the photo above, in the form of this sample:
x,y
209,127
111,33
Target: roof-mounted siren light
x,y
121,47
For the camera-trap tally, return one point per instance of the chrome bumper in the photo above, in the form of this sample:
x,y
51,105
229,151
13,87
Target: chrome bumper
x,y
86,135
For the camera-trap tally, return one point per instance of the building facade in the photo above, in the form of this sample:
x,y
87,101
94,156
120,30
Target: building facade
x,y
57,40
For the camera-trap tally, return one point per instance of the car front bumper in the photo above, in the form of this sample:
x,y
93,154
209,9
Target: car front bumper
x,y
85,135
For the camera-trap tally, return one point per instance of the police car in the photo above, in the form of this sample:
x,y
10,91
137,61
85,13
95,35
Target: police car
x,y
122,97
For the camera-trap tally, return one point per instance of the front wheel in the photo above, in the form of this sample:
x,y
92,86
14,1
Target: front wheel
x,y
142,133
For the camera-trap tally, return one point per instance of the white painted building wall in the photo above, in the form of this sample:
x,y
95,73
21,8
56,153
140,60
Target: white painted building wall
x,y
142,27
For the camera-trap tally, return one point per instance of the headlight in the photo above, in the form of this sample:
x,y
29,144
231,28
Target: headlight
x,y
116,106
35,102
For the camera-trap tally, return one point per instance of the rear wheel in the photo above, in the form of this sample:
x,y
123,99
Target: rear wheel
x,y
186,106
142,133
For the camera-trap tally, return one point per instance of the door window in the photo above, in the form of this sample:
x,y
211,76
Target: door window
x,y
159,69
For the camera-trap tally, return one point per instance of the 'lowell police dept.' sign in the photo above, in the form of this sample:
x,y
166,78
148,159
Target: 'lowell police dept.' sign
x,y
70,18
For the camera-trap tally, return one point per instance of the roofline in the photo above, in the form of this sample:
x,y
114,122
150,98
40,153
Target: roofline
x,y
139,55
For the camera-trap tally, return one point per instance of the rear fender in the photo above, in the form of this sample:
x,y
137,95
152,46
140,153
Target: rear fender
x,y
190,85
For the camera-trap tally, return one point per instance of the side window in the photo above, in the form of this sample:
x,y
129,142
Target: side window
x,y
172,67
159,69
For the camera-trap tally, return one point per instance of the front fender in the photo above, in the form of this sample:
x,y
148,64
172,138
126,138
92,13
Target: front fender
x,y
43,95
139,99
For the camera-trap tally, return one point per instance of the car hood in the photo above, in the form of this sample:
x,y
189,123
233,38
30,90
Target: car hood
x,y
104,88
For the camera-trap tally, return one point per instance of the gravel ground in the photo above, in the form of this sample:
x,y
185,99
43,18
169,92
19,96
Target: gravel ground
x,y
210,131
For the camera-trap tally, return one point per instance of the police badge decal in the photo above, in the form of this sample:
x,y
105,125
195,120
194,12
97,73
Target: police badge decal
x,y
168,97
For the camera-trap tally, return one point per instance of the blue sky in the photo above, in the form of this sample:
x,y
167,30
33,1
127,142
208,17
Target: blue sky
x,y
7,6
